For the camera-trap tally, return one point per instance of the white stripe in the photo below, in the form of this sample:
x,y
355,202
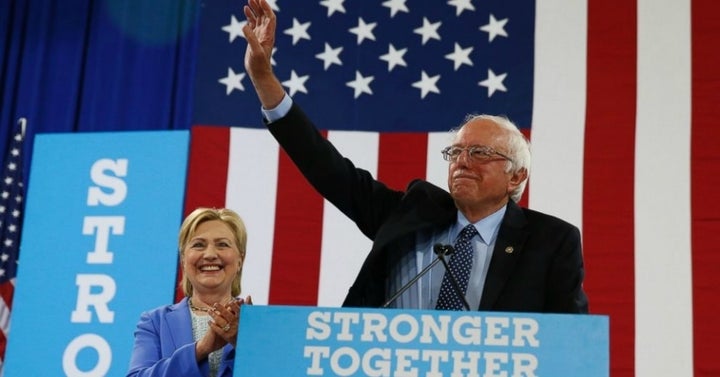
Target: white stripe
x,y
559,108
663,296
344,247
437,168
4,317
252,191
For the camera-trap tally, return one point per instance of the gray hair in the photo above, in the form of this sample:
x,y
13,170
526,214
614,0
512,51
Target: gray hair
x,y
518,148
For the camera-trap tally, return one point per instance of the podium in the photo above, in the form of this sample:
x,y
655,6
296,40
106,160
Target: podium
x,y
316,341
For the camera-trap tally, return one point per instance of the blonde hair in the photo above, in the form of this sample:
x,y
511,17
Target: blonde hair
x,y
190,225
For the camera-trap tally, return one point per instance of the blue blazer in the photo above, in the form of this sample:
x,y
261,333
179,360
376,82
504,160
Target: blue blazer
x,y
164,346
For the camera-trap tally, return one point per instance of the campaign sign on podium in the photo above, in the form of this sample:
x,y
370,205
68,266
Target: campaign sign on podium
x,y
98,248
311,341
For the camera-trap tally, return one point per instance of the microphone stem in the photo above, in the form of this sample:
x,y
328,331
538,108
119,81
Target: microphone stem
x,y
412,281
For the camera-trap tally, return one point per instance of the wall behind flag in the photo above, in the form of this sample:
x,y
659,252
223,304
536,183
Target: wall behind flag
x,y
93,65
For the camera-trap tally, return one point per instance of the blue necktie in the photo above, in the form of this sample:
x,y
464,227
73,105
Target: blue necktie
x,y
460,264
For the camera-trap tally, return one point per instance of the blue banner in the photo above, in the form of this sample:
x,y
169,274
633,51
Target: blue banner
x,y
290,341
99,246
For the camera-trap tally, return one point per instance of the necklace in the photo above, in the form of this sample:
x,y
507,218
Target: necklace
x,y
205,309
195,308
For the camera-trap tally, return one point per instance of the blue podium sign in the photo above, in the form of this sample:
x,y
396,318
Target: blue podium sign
x,y
98,248
291,341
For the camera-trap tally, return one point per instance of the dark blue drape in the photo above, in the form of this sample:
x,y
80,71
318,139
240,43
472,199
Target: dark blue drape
x,y
94,65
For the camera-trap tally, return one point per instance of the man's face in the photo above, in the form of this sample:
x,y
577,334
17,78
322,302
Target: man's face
x,y
481,184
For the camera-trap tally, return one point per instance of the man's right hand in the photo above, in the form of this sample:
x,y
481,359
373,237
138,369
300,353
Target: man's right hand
x,y
260,35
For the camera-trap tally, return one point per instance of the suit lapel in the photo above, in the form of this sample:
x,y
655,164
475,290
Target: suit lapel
x,y
178,324
508,249
436,209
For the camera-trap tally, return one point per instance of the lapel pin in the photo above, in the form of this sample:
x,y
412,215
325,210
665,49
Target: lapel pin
x,y
509,249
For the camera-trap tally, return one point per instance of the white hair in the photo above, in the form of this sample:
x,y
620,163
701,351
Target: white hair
x,y
518,148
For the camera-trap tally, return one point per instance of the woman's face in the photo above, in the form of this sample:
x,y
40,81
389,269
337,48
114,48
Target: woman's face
x,y
211,258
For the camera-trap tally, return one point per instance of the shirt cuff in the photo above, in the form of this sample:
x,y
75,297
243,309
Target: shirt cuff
x,y
278,111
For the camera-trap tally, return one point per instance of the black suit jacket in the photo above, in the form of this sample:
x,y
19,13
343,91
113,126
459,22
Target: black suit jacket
x,y
536,265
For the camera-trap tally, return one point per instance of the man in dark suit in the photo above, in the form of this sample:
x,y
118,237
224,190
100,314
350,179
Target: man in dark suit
x,y
516,259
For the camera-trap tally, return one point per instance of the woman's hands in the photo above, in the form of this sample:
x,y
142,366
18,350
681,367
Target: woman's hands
x,y
226,319
223,330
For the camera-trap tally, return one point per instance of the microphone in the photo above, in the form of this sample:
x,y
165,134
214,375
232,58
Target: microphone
x,y
441,251
453,279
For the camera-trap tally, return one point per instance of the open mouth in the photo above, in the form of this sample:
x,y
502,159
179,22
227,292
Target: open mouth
x,y
210,268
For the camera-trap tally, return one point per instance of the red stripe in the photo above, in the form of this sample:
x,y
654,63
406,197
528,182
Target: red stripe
x,y
3,346
705,180
207,168
207,172
608,188
402,157
297,239
7,290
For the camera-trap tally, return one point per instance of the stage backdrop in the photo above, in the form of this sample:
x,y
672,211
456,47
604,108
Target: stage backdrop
x,y
619,99
622,115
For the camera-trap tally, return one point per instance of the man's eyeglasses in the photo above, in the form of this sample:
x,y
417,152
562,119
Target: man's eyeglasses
x,y
475,152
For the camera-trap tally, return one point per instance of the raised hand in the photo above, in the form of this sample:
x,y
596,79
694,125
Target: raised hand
x,y
260,35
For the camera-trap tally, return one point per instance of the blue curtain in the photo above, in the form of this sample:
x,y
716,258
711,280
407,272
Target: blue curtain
x,y
94,65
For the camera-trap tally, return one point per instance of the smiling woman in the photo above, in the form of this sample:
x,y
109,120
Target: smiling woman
x,y
212,251
197,336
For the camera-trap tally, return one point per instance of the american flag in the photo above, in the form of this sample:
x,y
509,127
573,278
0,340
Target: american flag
x,y
374,61
618,97
11,209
